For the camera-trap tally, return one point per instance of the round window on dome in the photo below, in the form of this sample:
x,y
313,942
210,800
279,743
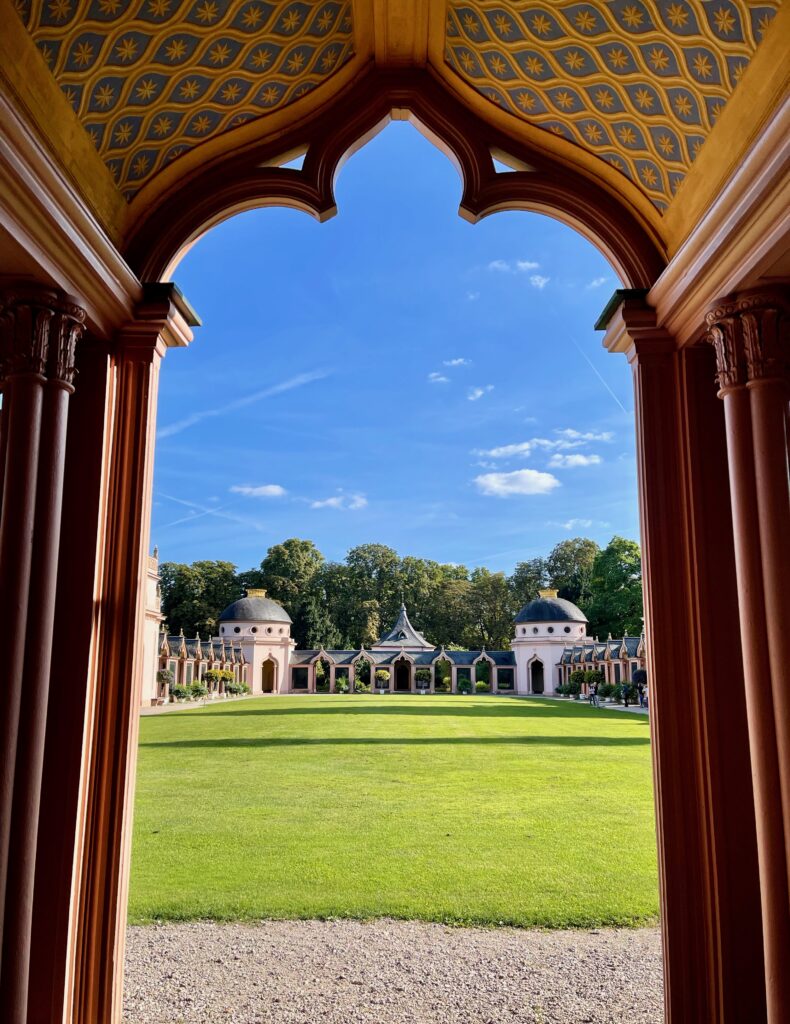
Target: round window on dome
x,y
281,630
550,629
237,629
534,629
222,629
567,629
253,629
268,629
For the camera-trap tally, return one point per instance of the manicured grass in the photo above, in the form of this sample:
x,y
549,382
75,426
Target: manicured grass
x,y
483,810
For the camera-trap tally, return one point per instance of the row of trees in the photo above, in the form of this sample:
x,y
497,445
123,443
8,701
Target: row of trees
x,y
348,604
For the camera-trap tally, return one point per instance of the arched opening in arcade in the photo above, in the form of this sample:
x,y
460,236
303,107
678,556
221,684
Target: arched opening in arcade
x,y
323,676
537,677
456,673
713,495
269,676
403,675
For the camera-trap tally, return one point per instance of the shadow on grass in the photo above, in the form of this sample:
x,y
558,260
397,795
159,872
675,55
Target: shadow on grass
x,y
474,709
400,741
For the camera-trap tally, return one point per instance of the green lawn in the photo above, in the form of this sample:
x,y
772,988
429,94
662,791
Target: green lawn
x,y
457,809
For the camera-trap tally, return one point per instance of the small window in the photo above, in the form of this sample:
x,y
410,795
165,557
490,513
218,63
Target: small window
x,y
253,629
550,629
222,629
237,629
534,629
269,629
567,629
281,630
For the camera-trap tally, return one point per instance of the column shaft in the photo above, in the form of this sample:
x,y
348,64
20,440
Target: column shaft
x,y
22,411
710,919
38,329
768,406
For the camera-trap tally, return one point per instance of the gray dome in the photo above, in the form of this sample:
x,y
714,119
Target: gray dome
x,y
550,608
255,607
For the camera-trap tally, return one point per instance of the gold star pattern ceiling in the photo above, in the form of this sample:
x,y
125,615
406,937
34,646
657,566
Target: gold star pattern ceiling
x,y
639,83
151,79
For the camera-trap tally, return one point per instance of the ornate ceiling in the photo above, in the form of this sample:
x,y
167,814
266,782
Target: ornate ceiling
x,y
638,82
150,79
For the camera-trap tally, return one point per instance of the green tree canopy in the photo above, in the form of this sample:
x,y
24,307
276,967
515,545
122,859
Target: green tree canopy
x,y
616,590
347,604
194,595
491,611
526,580
569,566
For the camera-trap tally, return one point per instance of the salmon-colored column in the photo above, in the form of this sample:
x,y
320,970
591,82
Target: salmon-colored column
x,y
766,335
761,529
62,321
710,911
116,679
23,357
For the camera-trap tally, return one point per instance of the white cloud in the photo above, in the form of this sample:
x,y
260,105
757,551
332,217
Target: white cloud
x,y
538,281
597,282
261,491
588,435
573,524
573,461
438,378
517,267
525,448
474,393
347,502
458,362
287,385
472,296
568,439
521,481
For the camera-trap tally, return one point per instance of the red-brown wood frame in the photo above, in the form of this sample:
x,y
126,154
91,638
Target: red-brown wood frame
x,y
708,841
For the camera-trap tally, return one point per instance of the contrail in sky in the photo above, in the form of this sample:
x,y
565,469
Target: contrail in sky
x,y
257,396
594,369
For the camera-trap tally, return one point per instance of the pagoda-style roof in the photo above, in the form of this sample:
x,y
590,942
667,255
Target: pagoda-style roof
x,y
403,634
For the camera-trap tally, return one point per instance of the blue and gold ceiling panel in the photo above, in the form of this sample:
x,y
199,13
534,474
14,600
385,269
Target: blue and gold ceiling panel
x,y
151,79
638,82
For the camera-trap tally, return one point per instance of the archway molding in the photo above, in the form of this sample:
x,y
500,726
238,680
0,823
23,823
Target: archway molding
x,y
249,178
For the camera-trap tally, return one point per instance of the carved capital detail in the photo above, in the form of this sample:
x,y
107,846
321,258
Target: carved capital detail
x,y
749,333
39,330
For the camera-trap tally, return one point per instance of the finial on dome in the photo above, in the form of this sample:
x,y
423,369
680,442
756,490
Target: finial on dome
x,y
547,593
255,592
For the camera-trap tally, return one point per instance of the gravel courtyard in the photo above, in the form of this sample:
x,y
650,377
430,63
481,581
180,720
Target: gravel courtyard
x,y
389,972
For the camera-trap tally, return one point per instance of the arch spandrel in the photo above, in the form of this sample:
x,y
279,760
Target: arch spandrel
x,y
638,83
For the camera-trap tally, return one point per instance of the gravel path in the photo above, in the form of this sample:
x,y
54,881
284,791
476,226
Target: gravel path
x,y
389,972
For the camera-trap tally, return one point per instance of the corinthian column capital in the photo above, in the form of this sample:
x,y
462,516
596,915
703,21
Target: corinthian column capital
x,y
39,330
750,337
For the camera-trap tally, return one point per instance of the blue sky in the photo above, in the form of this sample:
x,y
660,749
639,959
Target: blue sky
x,y
395,375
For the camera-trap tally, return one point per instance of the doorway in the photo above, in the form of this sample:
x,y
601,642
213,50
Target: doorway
x,y
267,677
536,676
402,676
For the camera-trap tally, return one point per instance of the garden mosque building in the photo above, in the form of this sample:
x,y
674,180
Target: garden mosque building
x,y
255,646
